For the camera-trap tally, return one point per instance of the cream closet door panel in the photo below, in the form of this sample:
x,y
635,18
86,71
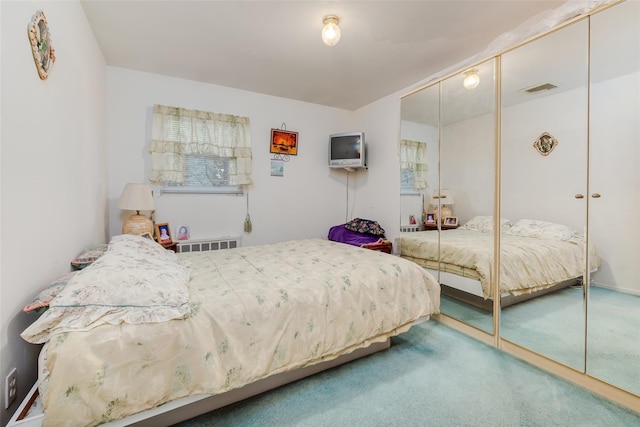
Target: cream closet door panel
x,y
613,339
545,91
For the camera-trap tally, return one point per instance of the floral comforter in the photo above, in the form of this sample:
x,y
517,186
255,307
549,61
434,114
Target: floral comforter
x,y
252,312
136,281
527,264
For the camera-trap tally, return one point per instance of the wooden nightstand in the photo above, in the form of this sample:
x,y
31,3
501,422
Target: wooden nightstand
x,y
171,246
435,227
382,245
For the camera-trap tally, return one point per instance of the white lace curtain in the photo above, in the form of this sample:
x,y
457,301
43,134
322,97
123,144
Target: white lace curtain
x,y
413,157
178,132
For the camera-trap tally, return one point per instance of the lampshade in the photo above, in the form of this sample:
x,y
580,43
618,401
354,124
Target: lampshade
x,y
471,80
330,31
445,198
136,197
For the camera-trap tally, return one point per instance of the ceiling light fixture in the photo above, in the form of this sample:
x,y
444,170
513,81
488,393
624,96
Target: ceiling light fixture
x,y
471,80
330,31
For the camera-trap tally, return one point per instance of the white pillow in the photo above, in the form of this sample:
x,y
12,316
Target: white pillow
x,y
485,224
541,229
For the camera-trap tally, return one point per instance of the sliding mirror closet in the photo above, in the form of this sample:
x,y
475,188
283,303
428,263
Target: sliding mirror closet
x,y
560,115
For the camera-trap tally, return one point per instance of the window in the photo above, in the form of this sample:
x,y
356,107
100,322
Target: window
x,y
413,166
197,151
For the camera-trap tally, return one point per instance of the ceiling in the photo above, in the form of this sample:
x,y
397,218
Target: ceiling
x,y
274,47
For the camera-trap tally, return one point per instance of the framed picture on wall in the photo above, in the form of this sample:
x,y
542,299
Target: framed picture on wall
x,y
284,142
183,232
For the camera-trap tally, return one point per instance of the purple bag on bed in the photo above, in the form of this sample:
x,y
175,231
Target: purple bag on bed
x,y
357,232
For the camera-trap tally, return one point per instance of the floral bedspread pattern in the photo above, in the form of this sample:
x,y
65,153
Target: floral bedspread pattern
x,y
527,264
254,312
135,281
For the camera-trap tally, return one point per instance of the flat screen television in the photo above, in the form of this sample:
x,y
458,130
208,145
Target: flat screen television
x,y
347,150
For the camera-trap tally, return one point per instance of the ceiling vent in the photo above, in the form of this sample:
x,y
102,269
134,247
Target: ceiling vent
x,y
540,88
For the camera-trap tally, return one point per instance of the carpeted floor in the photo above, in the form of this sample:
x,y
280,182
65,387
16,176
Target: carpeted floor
x,y
553,325
431,376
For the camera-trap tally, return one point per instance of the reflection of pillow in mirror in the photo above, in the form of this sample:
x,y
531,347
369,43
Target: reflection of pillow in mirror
x,y
485,224
541,229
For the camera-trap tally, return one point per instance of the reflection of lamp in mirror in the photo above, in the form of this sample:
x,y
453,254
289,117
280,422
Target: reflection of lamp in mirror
x,y
330,31
136,197
471,79
445,198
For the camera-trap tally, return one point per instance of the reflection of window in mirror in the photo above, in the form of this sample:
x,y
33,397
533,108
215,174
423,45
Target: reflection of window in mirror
x,y
413,166
406,182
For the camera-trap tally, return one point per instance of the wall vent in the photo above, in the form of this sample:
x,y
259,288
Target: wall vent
x,y
409,228
203,245
540,88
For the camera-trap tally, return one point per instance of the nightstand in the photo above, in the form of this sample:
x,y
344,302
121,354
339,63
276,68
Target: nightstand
x,y
171,246
382,245
443,227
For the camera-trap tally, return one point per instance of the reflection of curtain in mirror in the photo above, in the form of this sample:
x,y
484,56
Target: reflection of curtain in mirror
x,y
413,157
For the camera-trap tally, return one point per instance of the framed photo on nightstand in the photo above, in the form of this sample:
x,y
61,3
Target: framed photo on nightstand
x,y
450,221
163,235
430,218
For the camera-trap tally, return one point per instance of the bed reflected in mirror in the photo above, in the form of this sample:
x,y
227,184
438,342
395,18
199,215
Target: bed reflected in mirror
x,y
458,125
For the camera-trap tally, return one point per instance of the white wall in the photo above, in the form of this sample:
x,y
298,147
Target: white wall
x,y
543,187
467,153
378,194
615,174
52,170
304,203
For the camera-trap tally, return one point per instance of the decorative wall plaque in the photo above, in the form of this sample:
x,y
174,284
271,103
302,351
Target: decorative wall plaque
x,y
40,40
545,143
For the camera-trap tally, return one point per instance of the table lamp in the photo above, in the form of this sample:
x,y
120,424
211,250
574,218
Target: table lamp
x,y
443,198
136,197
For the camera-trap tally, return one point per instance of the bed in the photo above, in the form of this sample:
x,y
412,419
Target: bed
x,y
143,327
537,257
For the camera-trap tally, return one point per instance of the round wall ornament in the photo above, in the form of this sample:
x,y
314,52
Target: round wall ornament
x,y
545,143
41,47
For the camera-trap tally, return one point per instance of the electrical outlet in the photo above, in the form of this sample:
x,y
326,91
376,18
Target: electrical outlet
x,y
10,388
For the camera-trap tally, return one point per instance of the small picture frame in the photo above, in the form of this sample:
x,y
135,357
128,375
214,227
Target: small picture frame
x,y
284,142
147,236
163,234
450,221
183,232
430,218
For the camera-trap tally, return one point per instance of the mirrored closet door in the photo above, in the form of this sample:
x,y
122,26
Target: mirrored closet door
x,y
613,322
454,123
467,180
544,113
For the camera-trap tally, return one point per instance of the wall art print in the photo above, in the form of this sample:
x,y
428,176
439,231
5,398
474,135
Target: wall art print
x,y
41,47
284,142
